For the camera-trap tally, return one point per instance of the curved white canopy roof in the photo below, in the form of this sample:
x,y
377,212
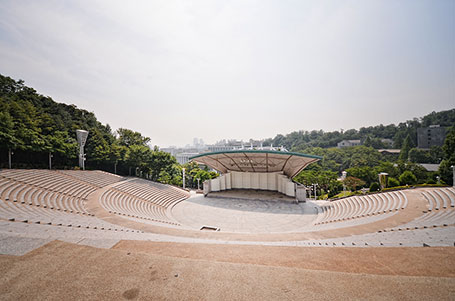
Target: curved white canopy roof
x,y
256,161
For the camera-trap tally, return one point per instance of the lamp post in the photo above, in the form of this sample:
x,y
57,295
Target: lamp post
x,y
453,171
198,183
315,194
81,139
183,173
10,153
50,160
343,177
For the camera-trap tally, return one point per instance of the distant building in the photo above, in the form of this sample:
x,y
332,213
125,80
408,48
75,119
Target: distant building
x,y
390,151
220,148
434,135
347,143
430,167
183,158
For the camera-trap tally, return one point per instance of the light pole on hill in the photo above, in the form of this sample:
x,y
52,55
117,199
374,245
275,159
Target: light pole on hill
x,y
183,173
81,139
50,160
10,153
315,194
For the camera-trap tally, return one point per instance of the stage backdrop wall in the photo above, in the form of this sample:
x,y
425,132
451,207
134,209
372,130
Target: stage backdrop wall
x,y
252,180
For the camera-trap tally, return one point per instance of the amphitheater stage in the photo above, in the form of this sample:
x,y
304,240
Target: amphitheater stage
x,y
252,194
244,213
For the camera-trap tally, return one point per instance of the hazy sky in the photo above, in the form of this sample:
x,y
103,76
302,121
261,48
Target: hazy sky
x,y
174,70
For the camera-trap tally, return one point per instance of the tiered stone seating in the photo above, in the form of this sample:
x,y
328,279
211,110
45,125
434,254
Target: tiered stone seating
x,y
450,193
52,204
60,190
97,178
438,213
361,206
142,199
14,211
42,197
417,238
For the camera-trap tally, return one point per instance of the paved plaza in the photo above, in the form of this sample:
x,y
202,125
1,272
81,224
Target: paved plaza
x,y
244,215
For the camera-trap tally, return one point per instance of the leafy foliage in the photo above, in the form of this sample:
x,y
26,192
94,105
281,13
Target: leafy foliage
x,y
392,182
408,178
374,186
352,183
33,125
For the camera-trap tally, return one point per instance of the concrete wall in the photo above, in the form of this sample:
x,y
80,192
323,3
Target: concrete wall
x,y
253,180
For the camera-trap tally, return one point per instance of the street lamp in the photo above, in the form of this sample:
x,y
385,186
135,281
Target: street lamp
x,y
10,153
343,177
50,160
81,139
183,173
453,171
315,194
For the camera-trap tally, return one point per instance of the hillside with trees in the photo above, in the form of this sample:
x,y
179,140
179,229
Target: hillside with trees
x,y
33,126
370,136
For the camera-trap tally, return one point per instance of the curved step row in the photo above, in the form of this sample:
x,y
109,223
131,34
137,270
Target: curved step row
x,y
439,213
143,199
123,204
31,195
361,206
18,212
49,180
97,177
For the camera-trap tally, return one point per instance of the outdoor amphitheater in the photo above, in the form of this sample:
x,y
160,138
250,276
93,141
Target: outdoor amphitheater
x,y
97,235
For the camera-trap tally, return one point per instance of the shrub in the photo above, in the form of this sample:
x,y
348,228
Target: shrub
x,y
431,181
408,178
374,186
393,182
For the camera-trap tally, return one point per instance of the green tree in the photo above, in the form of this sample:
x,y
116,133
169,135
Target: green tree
x,y
352,183
374,186
161,161
137,157
392,182
365,173
405,148
448,148
407,178
128,138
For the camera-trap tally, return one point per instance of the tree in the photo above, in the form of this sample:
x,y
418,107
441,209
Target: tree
x,y
365,173
448,149
405,148
392,182
374,186
160,161
407,178
388,167
7,134
137,157
128,138
352,183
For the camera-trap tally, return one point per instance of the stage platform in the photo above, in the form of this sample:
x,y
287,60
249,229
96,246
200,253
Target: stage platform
x,y
244,212
250,194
